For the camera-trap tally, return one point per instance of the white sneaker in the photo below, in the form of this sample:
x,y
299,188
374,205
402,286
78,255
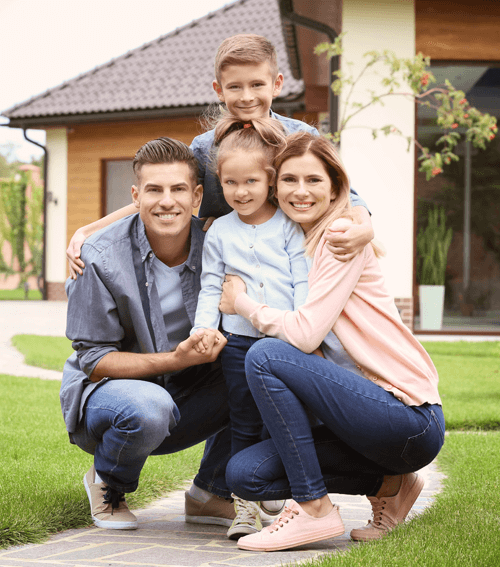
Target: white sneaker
x,y
272,507
247,519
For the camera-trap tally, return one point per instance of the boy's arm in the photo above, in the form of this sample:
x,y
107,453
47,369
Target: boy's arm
x,y
76,264
298,264
346,238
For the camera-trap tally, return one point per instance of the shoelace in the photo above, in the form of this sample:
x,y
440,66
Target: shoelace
x,y
284,518
113,497
380,520
245,510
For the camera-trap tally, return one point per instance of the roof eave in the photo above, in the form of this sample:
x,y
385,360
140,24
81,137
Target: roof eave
x,y
42,122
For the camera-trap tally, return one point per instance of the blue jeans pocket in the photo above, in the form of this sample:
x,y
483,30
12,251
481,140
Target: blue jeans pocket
x,y
421,449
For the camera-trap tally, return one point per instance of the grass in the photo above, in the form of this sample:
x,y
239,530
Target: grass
x,y
469,383
45,352
41,473
18,294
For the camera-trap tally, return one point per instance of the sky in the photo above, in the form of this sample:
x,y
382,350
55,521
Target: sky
x,y
46,42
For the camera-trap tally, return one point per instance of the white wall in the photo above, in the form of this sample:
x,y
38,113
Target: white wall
x,y
57,147
382,170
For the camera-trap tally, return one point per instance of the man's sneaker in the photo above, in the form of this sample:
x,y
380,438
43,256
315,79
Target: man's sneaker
x,y
247,519
107,506
293,528
389,511
216,511
272,507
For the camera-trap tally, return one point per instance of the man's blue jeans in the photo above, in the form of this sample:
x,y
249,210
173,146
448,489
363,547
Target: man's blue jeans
x,y
126,421
365,434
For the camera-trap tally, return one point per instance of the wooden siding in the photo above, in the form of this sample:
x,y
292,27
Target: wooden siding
x,y
458,30
89,144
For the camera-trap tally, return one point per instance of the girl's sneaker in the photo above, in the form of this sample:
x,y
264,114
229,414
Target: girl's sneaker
x,y
247,519
294,527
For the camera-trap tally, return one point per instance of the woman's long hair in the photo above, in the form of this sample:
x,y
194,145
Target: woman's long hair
x,y
301,143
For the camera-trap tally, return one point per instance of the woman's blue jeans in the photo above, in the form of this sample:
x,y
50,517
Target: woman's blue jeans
x,y
366,432
126,421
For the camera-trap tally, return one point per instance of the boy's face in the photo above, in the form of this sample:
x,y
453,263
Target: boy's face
x,y
166,195
248,89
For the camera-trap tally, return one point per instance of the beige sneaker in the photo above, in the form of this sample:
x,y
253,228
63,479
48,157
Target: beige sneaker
x,y
216,511
107,506
389,511
247,519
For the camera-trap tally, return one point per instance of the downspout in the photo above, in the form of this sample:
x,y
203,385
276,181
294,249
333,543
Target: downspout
x,y
296,19
45,190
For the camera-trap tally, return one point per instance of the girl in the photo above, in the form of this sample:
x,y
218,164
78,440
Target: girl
x,y
378,425
261,244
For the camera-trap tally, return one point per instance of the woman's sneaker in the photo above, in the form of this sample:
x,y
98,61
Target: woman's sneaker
x,y
293,528
272,507
247,519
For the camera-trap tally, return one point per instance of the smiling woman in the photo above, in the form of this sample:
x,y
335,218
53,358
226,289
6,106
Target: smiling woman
x,y
374,371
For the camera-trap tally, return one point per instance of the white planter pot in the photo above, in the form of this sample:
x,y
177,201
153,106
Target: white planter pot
x,y
431,299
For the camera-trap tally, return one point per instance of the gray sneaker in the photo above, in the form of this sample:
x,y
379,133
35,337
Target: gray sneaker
x,y
216,511
107,506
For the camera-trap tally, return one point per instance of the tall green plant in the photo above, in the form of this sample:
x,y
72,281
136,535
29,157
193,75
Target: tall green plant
x,y
21,223
433,243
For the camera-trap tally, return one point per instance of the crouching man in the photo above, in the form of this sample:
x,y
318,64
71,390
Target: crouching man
x,y
135,387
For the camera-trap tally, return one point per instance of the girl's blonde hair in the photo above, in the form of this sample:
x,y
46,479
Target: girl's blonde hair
x,y
301,143
264,135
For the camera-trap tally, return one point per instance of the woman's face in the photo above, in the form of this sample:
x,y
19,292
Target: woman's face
x,y
304,189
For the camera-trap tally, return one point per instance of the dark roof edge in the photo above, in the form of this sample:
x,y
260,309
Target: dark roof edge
x,y
147,114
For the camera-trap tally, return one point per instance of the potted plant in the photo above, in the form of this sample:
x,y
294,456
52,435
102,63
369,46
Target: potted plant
x,y
433,243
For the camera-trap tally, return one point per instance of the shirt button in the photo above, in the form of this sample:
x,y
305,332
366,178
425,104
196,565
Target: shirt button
x,y
193,267
147,284
253,226
150,254
261,285
251,245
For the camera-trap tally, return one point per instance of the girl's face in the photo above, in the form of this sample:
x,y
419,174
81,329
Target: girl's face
x,y
304,189
246,186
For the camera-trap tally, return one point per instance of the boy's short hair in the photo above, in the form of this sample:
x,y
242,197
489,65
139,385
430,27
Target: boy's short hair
x,y
246,49
165,150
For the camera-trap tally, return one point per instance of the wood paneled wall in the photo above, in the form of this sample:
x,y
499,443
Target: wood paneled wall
x,y
89,144
457,30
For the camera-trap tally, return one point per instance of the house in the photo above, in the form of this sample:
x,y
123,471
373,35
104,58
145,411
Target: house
x,y
96,122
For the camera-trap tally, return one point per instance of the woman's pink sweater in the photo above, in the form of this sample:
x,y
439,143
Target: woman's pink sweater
x,y
350,298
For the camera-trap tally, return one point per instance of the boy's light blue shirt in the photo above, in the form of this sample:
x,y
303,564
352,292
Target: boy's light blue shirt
x,y
269,257
214,204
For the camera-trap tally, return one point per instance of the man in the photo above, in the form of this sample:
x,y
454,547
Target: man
x,y
135,387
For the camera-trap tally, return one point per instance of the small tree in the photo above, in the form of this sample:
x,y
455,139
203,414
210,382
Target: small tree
x,y
21,223
410,78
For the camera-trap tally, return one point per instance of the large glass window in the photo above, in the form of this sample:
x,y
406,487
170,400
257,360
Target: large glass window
x,y
469,191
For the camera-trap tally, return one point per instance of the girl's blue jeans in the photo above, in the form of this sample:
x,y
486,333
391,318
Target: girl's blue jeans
x,y
126,421
365,432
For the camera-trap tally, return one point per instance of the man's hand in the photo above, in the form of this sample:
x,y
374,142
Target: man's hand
x,y
185,355
76,265
345,238
232,286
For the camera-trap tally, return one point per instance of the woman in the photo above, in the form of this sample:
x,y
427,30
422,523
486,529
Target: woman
x,y
380,418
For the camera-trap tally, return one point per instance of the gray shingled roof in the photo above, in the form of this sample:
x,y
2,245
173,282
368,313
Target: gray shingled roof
x,y
172,72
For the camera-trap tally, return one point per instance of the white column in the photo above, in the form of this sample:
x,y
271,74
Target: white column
x,y
382,170
55,263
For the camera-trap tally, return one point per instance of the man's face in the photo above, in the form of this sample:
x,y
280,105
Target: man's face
x,y
248,90
166,195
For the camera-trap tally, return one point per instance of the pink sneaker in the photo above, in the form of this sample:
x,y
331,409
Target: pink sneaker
x,y
294,527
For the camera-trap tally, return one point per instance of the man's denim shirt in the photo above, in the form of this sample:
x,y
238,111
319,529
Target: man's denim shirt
x,y
214,204
115,306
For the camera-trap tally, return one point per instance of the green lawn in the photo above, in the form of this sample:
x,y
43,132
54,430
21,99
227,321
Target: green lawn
x,y
41,490
45,352
17,294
